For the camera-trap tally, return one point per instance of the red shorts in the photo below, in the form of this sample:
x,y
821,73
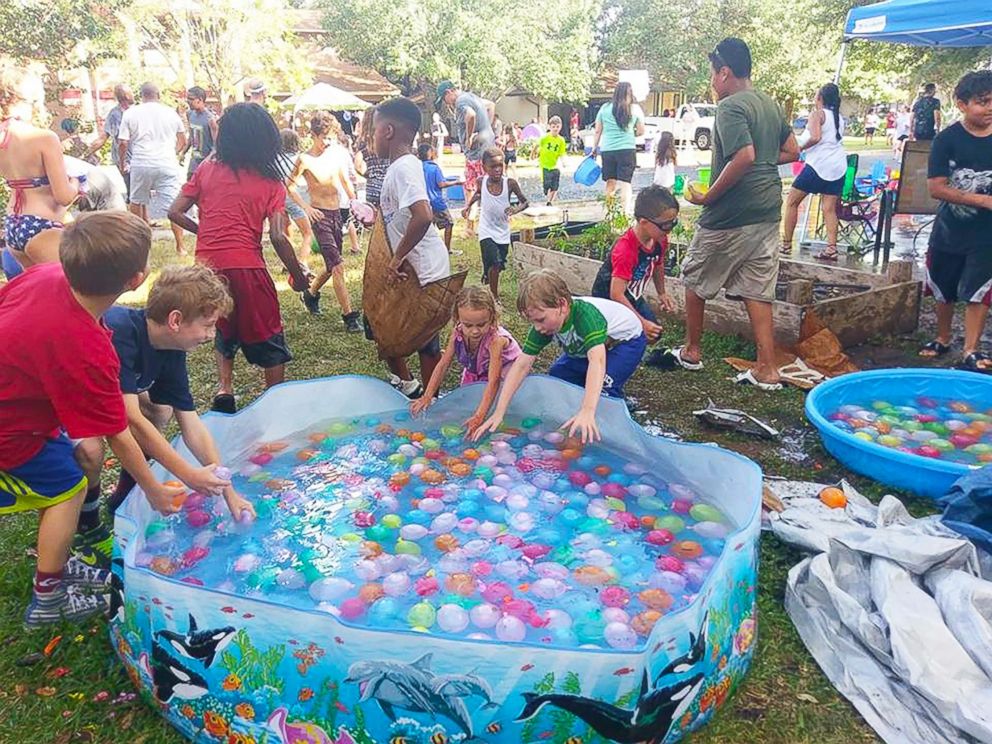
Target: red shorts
x,y
473,172
255,324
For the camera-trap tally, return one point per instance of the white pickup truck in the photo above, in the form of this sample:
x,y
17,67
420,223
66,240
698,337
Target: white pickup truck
x,y
698,128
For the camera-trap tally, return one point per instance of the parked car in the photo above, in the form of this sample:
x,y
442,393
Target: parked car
x,y
701,130
651,133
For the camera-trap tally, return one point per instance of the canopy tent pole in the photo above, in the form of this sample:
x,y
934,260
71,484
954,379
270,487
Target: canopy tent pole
x,y
840,60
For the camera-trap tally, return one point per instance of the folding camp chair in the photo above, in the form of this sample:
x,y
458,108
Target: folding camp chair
x,y
857,212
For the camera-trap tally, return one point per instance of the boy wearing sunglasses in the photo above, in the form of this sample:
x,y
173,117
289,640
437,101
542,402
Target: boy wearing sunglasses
x,y
638,258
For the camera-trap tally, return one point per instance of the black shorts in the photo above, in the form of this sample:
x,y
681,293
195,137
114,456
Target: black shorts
x,y
869,130
265,354
431,348
493,255
809,181
509,156
619,165
964,277
552,179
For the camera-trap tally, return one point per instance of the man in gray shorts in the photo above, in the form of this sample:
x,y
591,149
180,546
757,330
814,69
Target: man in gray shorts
x,y
736,243
156,136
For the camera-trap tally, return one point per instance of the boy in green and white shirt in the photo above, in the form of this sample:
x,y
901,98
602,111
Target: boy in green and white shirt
x,y
550,149
602,340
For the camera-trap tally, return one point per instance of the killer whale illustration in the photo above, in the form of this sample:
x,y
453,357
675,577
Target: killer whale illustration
x,y
117,590
171,679
654,711
416,688
201,645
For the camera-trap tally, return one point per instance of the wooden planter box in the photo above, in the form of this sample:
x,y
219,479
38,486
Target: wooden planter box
x,y
889,304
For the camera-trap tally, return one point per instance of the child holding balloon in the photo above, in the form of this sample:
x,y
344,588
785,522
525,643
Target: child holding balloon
x,y
483,347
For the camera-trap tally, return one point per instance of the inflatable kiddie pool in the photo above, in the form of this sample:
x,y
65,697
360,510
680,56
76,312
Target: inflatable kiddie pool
x,y
916,405
239,651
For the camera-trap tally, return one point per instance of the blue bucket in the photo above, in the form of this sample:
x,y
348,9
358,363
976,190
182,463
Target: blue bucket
x,y
588,172
454,193
921,475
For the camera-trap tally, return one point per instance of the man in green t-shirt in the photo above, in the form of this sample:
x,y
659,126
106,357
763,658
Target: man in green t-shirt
x,y
602,343
736,242
550,150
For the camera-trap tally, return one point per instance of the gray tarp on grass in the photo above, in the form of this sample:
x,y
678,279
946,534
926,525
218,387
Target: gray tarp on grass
x,y
895,613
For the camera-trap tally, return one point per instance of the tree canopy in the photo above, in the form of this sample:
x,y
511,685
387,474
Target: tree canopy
x,y
63,33
216,43
489,47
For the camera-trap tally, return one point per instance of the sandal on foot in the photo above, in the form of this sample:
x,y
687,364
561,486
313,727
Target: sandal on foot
x,y
747,378
973,363
672,359
224,403
827,254
933,349
785,250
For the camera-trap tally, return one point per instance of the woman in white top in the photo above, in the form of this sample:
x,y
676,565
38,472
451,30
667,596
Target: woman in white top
x,y
825,171
903,119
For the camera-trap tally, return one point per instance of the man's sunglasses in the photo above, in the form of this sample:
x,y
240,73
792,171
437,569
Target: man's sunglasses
x,y
666,226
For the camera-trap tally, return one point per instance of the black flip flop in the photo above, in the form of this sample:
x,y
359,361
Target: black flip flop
x,y
934,346
224,403
971,363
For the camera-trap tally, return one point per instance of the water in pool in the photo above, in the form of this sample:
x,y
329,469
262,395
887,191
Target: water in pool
x,y
951,430
395,522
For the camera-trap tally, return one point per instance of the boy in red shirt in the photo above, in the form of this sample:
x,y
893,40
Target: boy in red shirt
x,y
60,380
236,191
639,257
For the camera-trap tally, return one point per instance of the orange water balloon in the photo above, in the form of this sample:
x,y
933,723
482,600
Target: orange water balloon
x,y
687,549
833,497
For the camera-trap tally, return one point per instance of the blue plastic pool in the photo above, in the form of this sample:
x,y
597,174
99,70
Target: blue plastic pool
x,y
921,475
235,663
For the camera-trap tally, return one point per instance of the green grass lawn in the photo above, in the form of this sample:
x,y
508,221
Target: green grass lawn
x,y
74,695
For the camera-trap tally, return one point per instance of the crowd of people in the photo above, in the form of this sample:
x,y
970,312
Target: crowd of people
x,y
69,386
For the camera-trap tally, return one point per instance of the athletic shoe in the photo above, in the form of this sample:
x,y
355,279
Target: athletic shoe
x,y
64,604
395,381
224,403
351,324
410,388
82,576
311,302
94,547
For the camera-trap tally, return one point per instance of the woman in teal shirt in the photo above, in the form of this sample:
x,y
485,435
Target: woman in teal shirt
x,y
618,123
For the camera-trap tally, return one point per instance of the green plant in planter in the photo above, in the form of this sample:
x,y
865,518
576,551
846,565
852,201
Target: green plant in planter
x,y
598,239
527,150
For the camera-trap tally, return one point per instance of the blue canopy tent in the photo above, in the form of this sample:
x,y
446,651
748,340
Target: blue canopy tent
x,y
938,23
945,23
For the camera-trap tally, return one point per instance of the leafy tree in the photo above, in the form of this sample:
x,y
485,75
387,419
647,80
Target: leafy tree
x,y
489,47
670,41
216,43
795,47
62,33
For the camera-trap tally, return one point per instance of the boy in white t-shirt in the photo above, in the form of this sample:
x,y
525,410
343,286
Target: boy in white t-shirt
x,y
409,221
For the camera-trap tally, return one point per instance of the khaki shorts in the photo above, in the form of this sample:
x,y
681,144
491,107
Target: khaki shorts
x,y
742,260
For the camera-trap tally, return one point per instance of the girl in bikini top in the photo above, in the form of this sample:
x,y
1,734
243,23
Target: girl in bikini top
x,y
39,202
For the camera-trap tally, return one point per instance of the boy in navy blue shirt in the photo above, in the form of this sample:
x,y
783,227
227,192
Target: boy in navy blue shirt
x,y
434,178
182,312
